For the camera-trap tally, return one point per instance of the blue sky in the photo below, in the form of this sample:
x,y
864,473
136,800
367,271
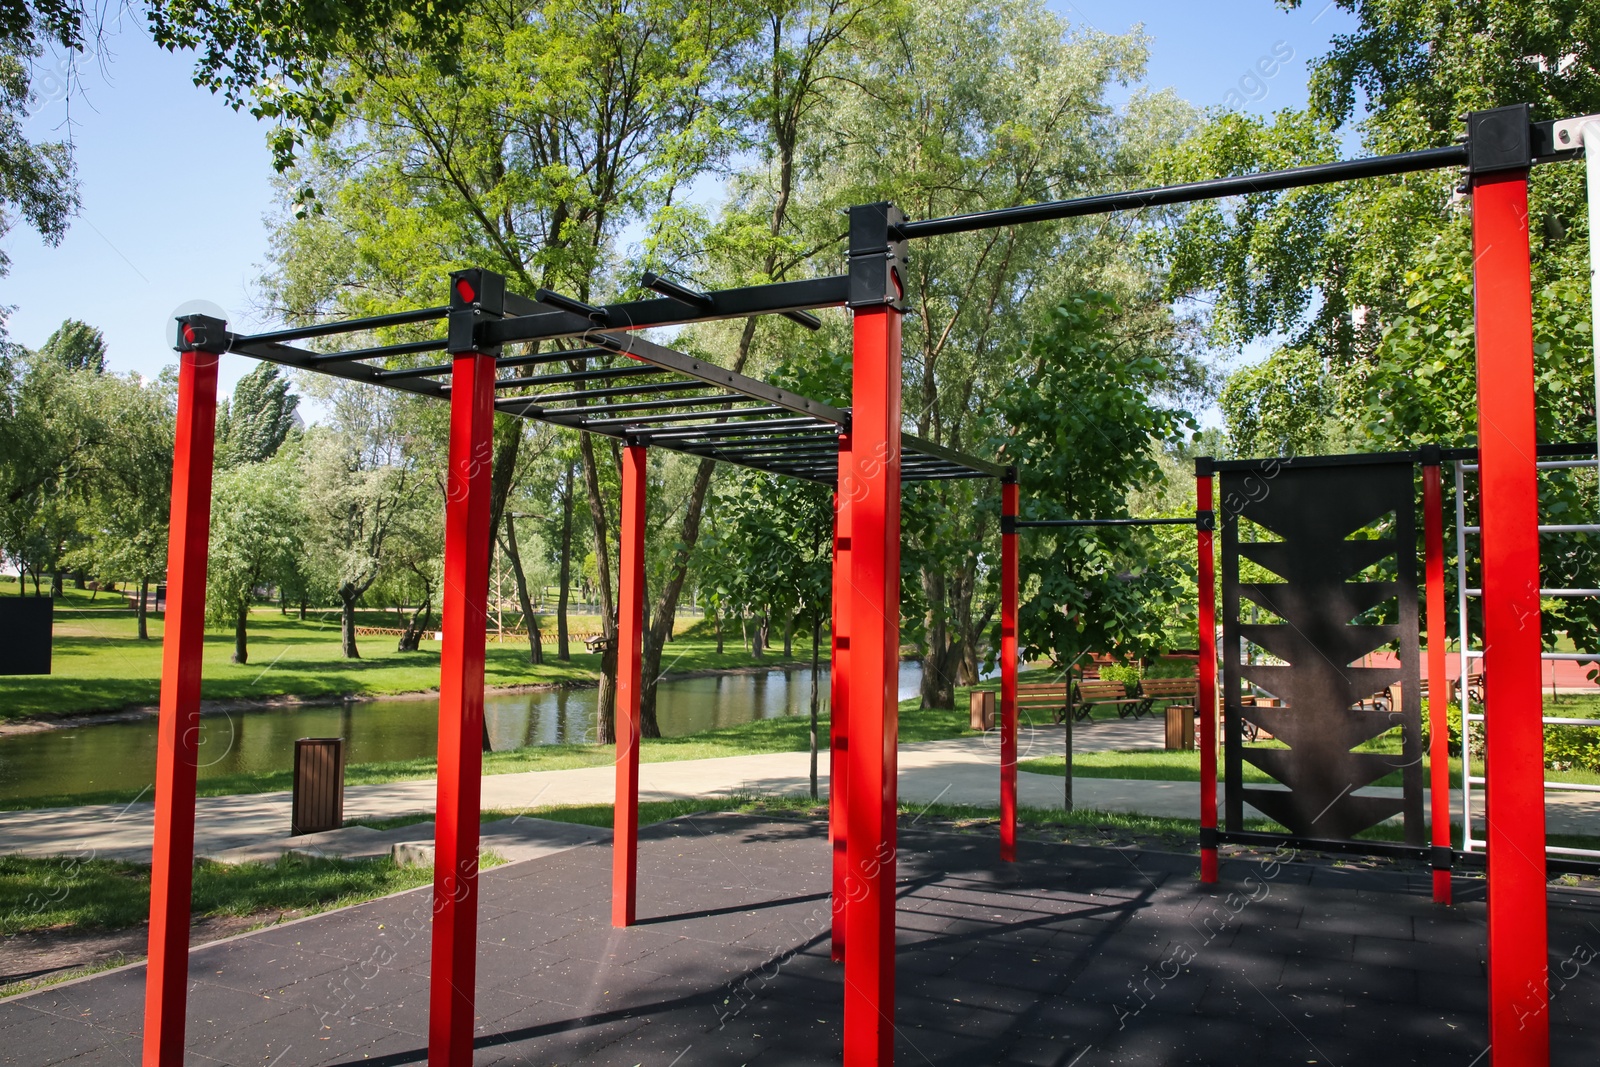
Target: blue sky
x,y
177,188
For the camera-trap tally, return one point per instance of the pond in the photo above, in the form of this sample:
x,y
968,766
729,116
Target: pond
x,y
120,756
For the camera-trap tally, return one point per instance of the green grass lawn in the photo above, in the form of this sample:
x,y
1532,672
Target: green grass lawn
x,y
70,894
1160,765
100,665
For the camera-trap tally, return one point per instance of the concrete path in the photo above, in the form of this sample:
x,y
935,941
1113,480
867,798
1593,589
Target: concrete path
x,y
959,771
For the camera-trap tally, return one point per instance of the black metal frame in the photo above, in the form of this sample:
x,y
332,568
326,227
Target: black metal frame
x,y
483,317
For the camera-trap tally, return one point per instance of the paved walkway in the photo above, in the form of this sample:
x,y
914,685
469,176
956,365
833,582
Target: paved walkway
x,y
960,771
1073,955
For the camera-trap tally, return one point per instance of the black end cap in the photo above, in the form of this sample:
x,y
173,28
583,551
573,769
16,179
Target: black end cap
x,y
1499,140
1203,466
202,333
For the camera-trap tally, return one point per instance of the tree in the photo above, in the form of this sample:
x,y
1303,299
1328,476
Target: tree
x,y
252,427
1080,425
987,104
780,532
1287,405
77,346
36,178
254,535
561,125
360,483
130,500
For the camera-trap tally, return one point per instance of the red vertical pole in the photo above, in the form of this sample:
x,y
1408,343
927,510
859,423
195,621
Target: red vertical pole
x,y
1008,669
839,696
1207,669
1438,683
467,536
630,651
870,830
172,859
1519,1022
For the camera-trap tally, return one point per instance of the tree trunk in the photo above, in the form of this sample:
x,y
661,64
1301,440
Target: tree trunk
x,y
347,622
302,607
529,620
563,650
816,641
758,640
283,602
241,654
788,637
717,622
56,588
143,613
938,683
606,698
606,709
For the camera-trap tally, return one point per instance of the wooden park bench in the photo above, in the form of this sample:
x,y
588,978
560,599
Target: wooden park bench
x,y
1098,692
1044,696
1175,692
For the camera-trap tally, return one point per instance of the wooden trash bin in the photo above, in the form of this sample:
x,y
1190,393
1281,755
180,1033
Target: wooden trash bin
x,y
983,709
318,785
1180,726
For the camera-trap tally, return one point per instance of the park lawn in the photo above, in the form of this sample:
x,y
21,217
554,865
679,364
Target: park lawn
x,y
100,665
65,893
1164,766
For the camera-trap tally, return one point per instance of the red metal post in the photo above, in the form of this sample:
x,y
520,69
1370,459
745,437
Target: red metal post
x,y
1438,683
1207,670
870,830
630,651
177,734
1519,1019
1008,669
467,537
839,697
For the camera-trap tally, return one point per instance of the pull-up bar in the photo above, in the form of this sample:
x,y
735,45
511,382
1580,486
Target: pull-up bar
x,y
1023,524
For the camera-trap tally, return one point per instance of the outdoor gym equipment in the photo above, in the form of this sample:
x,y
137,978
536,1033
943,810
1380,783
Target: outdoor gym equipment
x,y
691,406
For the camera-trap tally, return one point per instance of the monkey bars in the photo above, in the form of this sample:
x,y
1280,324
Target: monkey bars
x,y
644,394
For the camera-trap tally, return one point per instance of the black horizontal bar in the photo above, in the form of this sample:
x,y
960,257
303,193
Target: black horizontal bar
x,y
717,429
408,348
289,356
325,329
1210,189
642,405
1548,450
772,299
576,376
914,444
669,288
503,361
1105,522
683,416
650,352
621,390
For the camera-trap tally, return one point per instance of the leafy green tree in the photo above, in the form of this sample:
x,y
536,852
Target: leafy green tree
x,y
253,425
77,346
986,104
1082,429
1289,404
36,178
361,482
255,522
130,502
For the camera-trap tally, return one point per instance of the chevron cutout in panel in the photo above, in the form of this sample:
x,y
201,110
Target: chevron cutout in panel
x,y
1318,704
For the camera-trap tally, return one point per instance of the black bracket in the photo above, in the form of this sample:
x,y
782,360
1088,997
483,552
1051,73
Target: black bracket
x,y
1443,857
1008,524
1499,140
1209,837
476,296
202,333
1205,521
877,257
1202,466
1429,455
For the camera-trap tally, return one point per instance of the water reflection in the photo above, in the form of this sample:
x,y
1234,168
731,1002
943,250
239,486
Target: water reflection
x,y
121,756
